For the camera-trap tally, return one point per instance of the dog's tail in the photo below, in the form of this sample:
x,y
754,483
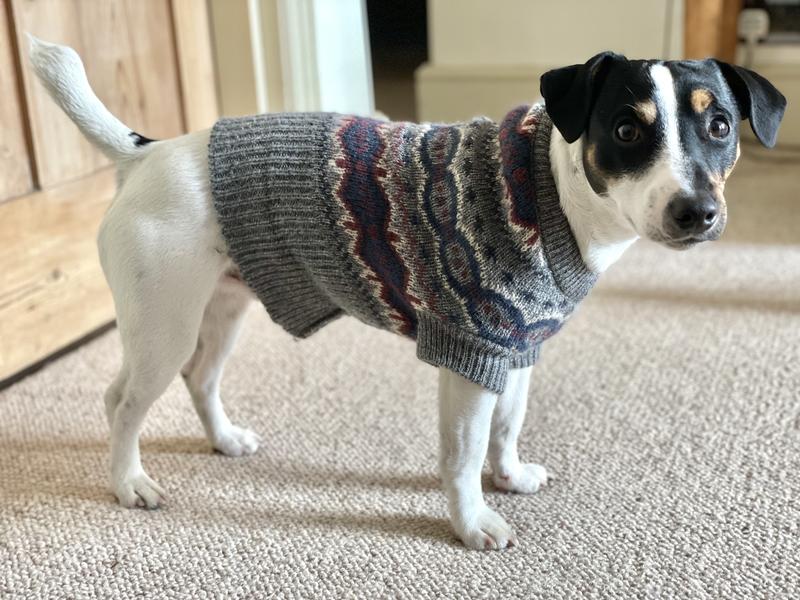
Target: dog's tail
x,y
61,71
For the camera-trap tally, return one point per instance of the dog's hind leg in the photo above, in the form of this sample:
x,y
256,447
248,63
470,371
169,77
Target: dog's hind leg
x,y
113,394
508,473
159,332
161,250
222,321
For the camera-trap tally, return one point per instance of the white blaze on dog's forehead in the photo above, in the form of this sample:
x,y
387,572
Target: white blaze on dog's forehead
x,y
665,98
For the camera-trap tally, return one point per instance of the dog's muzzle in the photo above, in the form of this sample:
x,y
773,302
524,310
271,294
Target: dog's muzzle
x,y
691,215
693,218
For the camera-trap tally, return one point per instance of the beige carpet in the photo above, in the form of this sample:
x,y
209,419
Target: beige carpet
x,y
668,410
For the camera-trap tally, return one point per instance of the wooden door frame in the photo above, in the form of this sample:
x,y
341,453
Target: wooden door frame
x,y
194,53
54,294
710,29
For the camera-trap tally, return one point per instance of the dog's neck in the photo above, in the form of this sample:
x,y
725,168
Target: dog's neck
x,y
600,229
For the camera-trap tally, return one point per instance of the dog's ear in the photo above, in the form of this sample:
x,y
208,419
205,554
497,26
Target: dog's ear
x,y
758,101
569,93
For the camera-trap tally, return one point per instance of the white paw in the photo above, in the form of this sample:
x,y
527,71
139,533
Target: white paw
x,y
236,441
485,530
524,479
138,491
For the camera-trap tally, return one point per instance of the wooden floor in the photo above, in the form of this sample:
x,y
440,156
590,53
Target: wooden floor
x,y
52,290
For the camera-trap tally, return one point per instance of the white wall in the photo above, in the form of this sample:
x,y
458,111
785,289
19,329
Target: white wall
x,y
343,58
487,56
513,32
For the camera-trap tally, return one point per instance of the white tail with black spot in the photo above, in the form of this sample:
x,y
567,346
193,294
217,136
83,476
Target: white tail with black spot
x,y
61,71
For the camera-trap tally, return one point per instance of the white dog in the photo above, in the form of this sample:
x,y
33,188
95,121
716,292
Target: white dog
x,y
639,148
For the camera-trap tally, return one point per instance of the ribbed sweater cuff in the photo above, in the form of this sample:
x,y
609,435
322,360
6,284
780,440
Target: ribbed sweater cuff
x,y
478,360
521,360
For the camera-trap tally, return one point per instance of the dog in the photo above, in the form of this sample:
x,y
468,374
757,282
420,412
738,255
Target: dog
x,y
637,149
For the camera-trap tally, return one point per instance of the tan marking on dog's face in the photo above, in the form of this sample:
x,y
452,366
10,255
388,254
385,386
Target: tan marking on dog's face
x,y
647,111
591,156
718,180
717,183
700,99
591,160
598,177
729,170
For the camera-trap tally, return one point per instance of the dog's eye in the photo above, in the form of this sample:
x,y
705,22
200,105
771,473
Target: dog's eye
x,y
627,132
718,128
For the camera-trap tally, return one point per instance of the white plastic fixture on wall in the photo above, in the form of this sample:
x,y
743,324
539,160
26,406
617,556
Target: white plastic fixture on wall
x,y
325,56
292,55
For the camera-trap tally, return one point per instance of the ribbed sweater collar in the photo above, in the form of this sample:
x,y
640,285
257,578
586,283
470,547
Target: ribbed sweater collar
x,y
563,255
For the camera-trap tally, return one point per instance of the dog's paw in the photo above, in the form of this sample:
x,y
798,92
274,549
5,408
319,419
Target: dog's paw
x,y
138,491
486,530
524,479
236,441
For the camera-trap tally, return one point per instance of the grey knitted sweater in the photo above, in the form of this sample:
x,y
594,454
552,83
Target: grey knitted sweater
x,y
452,235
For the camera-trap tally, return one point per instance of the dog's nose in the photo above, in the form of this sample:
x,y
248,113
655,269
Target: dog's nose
x,y
693,214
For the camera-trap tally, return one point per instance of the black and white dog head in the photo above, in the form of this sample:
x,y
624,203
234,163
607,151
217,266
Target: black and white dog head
x,y
660,138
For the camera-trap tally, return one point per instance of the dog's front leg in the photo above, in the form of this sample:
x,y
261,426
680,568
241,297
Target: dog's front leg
x,y
465,417
508,473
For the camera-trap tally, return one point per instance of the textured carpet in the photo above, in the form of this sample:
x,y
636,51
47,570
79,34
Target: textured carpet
x,y
667,409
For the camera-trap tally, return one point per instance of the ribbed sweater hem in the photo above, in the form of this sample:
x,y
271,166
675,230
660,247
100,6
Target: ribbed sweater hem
x,y
522,360
476,359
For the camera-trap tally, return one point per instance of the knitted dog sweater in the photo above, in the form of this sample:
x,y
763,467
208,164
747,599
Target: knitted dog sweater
x,y
452,235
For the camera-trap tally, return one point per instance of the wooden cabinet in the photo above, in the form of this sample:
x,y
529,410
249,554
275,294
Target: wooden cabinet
x,y
150,62
710,28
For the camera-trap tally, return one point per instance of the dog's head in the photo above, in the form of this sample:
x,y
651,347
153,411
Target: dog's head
x,y
661,138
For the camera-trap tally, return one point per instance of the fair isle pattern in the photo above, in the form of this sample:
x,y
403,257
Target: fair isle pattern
x,y
358,163
452,235
515,133
404,147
